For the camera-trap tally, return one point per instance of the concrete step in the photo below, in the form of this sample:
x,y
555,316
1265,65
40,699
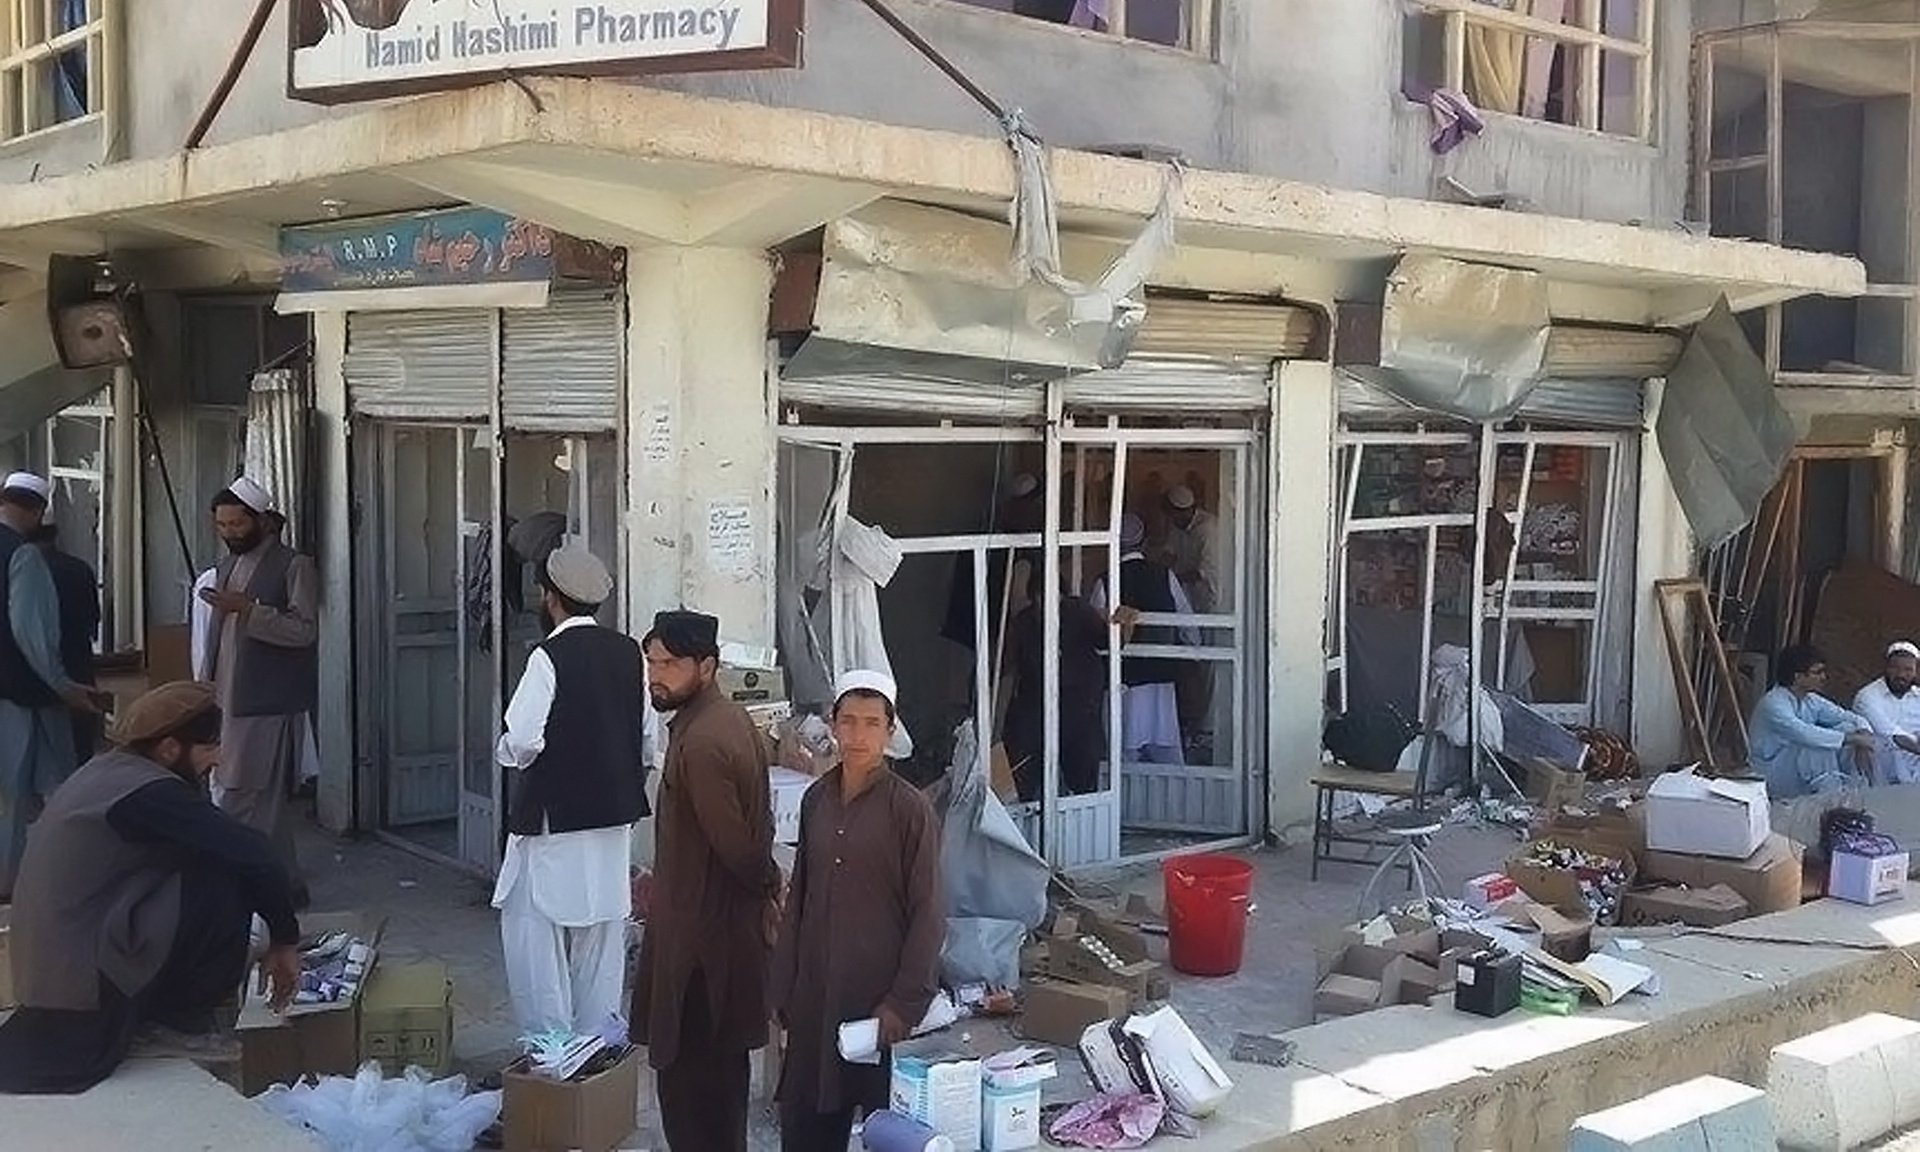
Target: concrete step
x,y
1707,1114
1845,1086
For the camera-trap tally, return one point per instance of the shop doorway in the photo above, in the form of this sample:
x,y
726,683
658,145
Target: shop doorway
x,y
983,520
449,609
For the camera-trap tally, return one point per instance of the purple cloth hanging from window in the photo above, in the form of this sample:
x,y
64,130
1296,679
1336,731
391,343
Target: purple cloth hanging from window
x,y
1090,14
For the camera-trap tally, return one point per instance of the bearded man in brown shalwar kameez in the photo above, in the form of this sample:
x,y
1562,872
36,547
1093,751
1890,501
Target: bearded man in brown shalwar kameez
x,y
864,922
700,991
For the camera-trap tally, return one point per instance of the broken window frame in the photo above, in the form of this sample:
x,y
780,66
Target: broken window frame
x,y
38,40
1584,45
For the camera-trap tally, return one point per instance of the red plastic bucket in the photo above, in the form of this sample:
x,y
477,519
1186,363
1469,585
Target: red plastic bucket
x,y
1208,898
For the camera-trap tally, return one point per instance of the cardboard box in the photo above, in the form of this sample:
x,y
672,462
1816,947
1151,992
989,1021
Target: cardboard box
x,y
786,789
1368,976
1057,1013
1565,933
1560,887
1769,880
595,1114
1867,879
1010,1099
308,1039
1696,907
1488,891
1554,787
406,1018
1127,963
940,1088
753,685
1703,817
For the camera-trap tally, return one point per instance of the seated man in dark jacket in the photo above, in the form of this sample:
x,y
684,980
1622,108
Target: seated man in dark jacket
x,y
135,902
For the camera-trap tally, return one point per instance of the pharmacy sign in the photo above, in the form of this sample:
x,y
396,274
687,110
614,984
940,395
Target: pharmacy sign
x,y
344,50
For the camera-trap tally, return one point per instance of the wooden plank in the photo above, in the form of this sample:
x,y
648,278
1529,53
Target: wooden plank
x,y
1664,593
1487,16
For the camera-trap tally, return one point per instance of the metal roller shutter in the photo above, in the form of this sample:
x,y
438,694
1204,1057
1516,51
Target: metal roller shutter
x,y
1174,384
927,398
434,365
1591,403
560,366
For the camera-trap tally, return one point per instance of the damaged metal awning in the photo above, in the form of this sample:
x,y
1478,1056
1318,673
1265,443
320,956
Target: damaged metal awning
x,y
34,385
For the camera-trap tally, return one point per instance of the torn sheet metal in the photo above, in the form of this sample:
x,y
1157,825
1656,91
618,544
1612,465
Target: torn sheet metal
x,y
935,294
1466,340
1723,432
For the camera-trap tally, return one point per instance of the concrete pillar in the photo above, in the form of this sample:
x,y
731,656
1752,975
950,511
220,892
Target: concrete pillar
x,y
700,445
1297,548
1663,550
1701,1114
332,548
700,438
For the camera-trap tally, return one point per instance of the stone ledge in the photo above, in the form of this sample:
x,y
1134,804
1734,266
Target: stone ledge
x,y
1414,1079
158,1104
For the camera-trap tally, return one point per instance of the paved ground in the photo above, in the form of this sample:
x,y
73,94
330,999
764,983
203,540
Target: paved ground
x,y
436,913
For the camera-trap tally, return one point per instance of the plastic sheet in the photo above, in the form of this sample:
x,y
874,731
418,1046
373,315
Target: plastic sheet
x,y
1109,1121
996,884
370,1113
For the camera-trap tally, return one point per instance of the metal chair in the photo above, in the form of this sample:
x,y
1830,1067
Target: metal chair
x,y
1410,831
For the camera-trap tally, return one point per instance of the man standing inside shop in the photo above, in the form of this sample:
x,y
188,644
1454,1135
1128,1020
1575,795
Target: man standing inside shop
x,y
700,991
574,734
863,924
37,698
1149,703
265,601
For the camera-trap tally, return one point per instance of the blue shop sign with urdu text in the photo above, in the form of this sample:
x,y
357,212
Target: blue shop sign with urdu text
x,y
455,246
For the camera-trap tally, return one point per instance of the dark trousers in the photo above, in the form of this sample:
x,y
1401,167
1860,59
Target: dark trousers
x,y
52,1051
804,1130
703,1093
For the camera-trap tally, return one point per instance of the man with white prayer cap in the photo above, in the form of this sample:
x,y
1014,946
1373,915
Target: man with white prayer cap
x,y
37,697
1892,706
863,924
260,641
1149,703
574,739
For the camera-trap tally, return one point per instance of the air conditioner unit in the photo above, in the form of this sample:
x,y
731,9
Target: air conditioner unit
x,y
93,334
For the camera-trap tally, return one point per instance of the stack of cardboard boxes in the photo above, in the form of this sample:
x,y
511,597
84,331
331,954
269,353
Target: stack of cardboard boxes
x,y
1712,856
1086,968
1390,960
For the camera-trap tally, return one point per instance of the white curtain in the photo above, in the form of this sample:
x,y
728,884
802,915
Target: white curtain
x,y
276,449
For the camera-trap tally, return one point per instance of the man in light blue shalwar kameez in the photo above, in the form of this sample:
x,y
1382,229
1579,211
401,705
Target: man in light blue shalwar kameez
x,y
37,699
1800,741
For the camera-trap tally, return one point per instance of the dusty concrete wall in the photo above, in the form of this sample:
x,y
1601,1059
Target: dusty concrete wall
x,y
1663,550
1304,91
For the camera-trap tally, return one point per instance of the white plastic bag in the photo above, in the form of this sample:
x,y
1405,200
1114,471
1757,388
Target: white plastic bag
x,y
370,1113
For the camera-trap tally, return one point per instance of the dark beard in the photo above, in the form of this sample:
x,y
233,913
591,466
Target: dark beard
x,y
242,547
673,703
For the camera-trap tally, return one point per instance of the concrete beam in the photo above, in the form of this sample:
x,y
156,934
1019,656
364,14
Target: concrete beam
x,y
632,217
230,233
1218,209
1704,1113
1847,1085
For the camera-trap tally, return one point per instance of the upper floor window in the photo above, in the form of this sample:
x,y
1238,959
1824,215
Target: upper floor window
x,y
50,63
1584,63
1186,24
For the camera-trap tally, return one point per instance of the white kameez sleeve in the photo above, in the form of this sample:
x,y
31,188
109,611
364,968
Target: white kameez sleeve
x,y
526,721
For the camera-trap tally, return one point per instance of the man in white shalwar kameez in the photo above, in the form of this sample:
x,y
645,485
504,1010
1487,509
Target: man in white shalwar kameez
x,y
1150,703
575,736
1892,706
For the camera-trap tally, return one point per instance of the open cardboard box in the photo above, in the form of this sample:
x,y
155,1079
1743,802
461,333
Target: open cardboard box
x,y
594,1114
307,1039
1068,957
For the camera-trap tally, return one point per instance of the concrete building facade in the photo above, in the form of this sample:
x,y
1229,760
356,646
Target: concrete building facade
x,y
856,205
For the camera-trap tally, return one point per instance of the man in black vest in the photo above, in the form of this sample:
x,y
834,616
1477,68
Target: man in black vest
x,y
1149,704
573,734
263,628
78,591
37,697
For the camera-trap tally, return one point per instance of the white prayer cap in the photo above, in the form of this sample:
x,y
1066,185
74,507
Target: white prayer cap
x,y
579,575
864,680
250,493
1903,648
29,483
1180,496
1024,485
